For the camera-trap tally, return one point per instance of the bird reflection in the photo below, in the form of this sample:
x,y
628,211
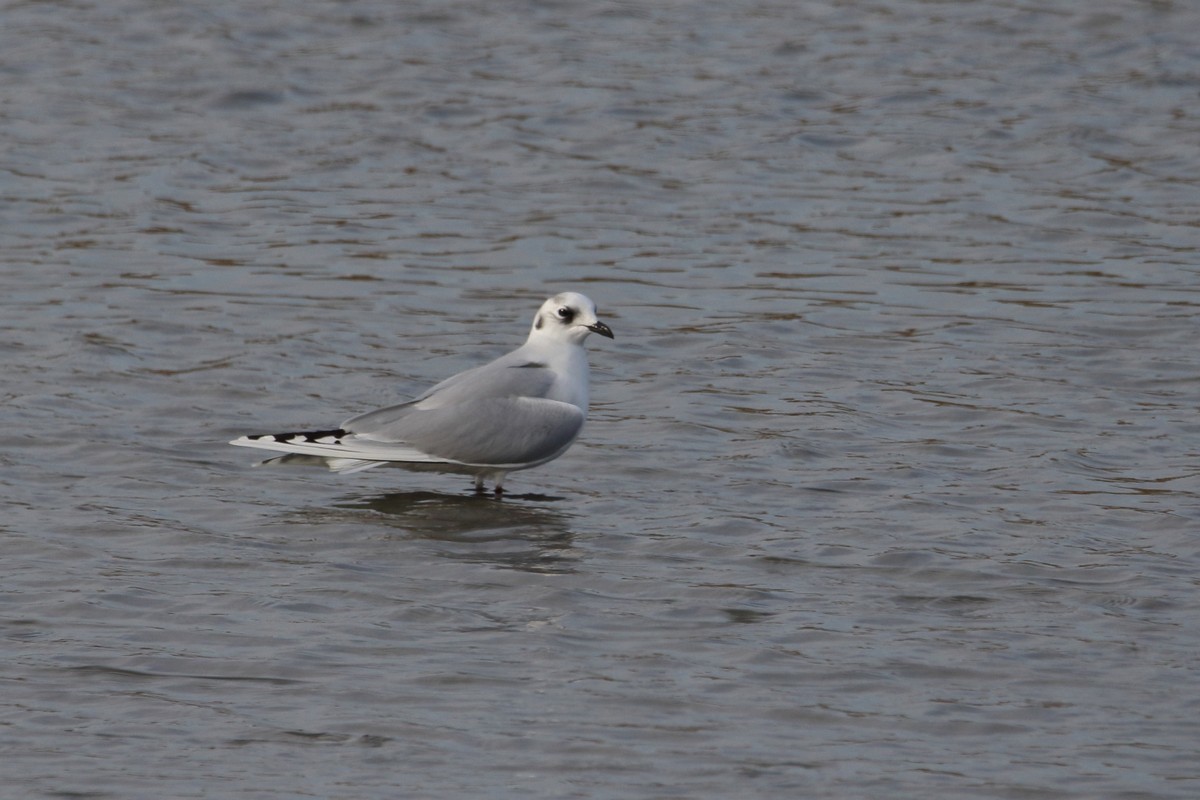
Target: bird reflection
x,y
524,534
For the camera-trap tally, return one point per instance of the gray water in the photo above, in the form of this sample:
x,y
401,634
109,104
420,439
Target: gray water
x,y
891,486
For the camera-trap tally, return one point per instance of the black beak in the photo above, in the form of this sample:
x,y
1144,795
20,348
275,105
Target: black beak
x,y
601,329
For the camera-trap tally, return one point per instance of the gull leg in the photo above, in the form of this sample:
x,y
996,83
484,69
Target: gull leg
x,y
478,484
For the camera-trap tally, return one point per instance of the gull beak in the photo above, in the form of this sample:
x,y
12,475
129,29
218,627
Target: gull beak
x,y
600,328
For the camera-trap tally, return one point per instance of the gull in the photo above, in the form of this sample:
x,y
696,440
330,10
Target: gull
x,y
522,410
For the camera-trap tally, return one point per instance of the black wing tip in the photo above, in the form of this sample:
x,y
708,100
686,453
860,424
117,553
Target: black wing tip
x,y
308,437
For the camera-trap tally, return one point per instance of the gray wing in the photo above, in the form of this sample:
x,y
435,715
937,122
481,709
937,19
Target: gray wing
x,y
508,376
494,376
495,380
494,414
494,431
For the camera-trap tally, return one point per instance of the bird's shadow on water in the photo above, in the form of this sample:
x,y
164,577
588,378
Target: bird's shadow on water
x,y
517,532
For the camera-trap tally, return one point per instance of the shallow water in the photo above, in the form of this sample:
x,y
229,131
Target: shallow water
x,y
891,481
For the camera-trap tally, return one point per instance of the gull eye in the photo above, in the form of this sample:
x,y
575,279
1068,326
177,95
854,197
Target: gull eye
x,y
566,314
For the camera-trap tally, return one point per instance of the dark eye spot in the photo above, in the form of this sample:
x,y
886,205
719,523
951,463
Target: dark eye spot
x,y
566,314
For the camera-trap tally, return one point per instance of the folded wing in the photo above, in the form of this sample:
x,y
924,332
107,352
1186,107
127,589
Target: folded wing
x,y
491,416
496,431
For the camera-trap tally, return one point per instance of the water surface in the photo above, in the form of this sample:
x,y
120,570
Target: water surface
x,y
891,480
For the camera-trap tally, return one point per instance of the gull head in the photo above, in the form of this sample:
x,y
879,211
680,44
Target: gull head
x,y
568,317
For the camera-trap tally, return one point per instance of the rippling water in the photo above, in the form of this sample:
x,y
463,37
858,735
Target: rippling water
x,y
891,483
